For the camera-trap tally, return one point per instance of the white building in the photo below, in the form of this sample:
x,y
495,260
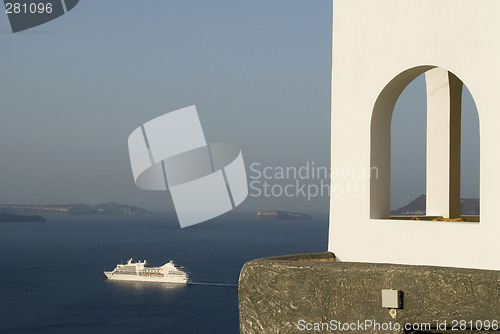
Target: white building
x,y
379,47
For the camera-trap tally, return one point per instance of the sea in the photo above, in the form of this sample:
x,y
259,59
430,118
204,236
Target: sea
x,y
52,281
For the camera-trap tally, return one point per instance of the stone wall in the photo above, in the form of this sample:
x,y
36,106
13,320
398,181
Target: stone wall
x,y
276,293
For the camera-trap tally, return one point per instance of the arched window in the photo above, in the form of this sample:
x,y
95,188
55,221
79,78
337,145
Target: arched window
x,y
443,93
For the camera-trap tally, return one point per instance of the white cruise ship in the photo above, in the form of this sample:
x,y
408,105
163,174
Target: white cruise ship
x,y
139,271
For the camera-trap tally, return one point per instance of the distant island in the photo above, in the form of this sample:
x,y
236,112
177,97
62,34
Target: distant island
x,y
468,207
73,209
282,215
11,218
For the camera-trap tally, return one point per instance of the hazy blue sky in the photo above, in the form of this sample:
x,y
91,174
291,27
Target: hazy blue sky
x,y
72,90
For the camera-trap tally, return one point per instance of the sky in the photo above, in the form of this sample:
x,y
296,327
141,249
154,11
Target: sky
x,y
72,91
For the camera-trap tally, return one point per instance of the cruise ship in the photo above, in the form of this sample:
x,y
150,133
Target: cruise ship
x,y
139,271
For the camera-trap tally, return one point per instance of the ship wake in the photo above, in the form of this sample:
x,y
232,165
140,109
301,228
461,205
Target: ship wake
x,y
214,284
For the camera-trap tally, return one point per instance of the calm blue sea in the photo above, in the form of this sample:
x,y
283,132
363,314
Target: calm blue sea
x,y
52,281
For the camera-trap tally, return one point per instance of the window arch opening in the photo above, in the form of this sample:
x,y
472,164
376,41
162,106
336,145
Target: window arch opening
x,y
425,147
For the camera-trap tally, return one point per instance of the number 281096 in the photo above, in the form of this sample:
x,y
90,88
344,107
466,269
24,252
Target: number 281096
x,y
28,8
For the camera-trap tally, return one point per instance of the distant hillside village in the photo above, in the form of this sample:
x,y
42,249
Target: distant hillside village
x,y
72,209
468,206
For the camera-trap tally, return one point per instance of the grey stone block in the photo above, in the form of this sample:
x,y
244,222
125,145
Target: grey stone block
x,y
276,293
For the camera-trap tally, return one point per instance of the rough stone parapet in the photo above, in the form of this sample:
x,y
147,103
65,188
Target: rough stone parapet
x,y
276,293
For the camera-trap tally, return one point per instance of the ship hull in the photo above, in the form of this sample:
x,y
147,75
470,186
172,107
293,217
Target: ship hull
x,y
138,278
